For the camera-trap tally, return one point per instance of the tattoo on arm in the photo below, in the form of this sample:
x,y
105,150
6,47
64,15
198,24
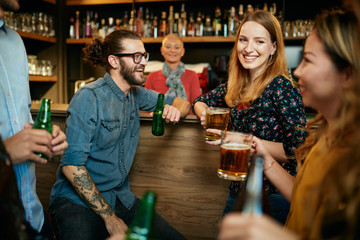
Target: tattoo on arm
x,y
88,192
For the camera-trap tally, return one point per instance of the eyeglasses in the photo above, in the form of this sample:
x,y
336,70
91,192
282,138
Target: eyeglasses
x,y
137,57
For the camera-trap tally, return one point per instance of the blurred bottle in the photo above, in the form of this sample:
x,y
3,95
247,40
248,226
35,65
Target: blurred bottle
x,y
77,25
191,26
111,25
155,27
232,22
217,22
254,188
72,28
139,22
125,21
240,15
183,21
158,123
265,8
224,24
163,25
117,24
170,22
141,227
199,26
94,25
88,25
131,26
147,24
43,119
102,29
208,27
176,23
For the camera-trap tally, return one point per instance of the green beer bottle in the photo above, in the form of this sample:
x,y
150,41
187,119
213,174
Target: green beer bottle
x,y
141,227
158,123
43,119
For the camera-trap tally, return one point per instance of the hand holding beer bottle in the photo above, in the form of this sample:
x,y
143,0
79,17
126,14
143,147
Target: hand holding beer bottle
x,y
43,120
158,124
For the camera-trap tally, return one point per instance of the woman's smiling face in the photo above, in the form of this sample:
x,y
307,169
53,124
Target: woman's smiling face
x,y
254,48
320,81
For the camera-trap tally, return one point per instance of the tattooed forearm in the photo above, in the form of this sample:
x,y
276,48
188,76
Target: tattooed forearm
x,y
85,187
83,179
106,211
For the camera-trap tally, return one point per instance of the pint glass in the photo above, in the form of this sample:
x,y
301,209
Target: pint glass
x,y
216,118
234,155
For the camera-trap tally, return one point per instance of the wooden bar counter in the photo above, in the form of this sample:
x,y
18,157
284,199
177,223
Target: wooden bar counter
x,y
179,166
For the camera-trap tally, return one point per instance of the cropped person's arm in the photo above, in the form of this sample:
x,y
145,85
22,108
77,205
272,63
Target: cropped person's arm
x,y
199,108
277,175
182,105
82,182
276,150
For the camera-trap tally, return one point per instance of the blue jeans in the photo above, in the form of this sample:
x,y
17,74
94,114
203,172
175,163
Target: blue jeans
x,y
74,222
279,207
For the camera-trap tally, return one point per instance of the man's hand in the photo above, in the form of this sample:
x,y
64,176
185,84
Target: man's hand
x,y
115,225
58,141
23,145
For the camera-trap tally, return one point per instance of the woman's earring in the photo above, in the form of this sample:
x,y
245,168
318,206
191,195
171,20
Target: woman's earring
x,y
116,67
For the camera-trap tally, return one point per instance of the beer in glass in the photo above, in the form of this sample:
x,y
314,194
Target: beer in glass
x,y
234,155
216,118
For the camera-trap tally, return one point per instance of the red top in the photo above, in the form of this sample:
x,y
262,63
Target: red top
x,y
157,81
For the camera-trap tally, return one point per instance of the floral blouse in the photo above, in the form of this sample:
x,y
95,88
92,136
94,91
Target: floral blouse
x,y
275,116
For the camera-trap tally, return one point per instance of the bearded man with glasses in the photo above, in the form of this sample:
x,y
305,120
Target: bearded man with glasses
x,y
91,198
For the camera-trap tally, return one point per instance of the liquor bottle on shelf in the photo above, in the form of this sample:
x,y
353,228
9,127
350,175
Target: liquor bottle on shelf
x,y
217,22
77,25
232,25
131,26
88,25
240,15
163,25
224,24
111,26
94,25
139,22
265,8
141,227
125,21
117,24
170,22
147,24
176,23
43,119
191,26
155,27
72,28
183,21
158,123
208,27
102,29
199,26
249,9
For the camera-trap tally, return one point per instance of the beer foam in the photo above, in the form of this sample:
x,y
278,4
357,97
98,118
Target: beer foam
x,y
235,146
217,111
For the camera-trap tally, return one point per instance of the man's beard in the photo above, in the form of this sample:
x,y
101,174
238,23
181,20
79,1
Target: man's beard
x,y
9,5
129,74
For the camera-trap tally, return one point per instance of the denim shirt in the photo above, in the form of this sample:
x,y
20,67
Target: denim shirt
x,y
15,103
102,130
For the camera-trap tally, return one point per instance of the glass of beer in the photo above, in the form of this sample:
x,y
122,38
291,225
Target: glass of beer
x,y
217,118
234,155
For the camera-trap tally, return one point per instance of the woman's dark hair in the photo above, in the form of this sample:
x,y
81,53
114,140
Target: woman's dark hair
x,y
97,51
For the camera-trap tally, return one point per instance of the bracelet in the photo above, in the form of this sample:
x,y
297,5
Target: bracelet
x,y
269,165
